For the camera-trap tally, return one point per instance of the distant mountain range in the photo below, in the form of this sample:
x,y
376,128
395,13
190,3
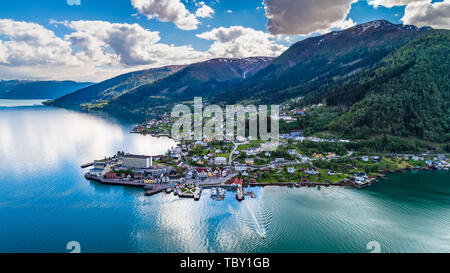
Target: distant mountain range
x,y
105,91
38,89
385,78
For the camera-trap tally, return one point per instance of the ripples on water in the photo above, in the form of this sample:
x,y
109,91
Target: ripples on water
x,y
45,202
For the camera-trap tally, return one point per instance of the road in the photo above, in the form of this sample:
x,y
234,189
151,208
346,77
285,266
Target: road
x,y
236,145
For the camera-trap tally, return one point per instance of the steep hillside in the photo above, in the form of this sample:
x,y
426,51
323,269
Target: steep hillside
x,y
200,79
109,89
408,94
38,89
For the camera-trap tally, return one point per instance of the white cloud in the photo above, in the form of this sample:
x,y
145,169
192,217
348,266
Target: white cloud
x,y
167,11
32,44
303,17
3,53
204,11
240,42
425,13
93,51
421,12
129,43
74,2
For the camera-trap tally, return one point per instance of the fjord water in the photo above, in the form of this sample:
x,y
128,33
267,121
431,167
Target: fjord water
x,y
45,202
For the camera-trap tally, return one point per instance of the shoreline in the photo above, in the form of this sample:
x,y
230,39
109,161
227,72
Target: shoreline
x,y
152,134
158,188
343,183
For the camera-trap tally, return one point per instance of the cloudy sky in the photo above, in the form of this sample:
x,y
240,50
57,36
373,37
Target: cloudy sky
x,y
92,40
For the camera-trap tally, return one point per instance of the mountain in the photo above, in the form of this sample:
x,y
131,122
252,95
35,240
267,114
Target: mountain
x,y
5,86
408,94
109,89
38,89
316,64
200,79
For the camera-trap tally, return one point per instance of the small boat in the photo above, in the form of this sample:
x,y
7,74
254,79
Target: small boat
x,y
221,193
213,192
263,237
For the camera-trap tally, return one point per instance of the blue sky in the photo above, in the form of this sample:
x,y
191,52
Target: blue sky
x,y
96,39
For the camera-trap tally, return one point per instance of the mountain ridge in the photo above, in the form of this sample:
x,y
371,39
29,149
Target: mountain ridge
x,y
25,89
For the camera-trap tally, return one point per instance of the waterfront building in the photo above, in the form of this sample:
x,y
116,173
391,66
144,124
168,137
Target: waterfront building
x,y
112,175
137,161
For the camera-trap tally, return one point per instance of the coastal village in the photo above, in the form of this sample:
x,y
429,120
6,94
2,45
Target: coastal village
x,y
226,165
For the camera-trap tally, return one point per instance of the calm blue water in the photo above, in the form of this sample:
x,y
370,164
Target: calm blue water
x,y
45,202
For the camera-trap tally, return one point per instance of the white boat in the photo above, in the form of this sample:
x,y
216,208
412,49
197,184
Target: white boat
x,y
221,193
213,192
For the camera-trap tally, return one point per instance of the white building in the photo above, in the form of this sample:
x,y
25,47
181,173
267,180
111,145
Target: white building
x,y
137,161
220,161
240,167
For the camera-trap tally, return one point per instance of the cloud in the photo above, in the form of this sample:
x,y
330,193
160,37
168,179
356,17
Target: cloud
x,y
32,44
240,42
3,53
204,11
93,50
74,2
104,41
131,44
425,13
421,12
167,11
303,17
97,50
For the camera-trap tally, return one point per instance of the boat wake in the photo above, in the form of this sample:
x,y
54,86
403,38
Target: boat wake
x,y
256,217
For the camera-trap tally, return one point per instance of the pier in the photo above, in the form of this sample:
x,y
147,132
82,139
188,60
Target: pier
x,y
155,189
240,196
84,166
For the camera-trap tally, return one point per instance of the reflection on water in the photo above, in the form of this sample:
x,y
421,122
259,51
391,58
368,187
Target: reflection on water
x,y
20,103
45,201
41,137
